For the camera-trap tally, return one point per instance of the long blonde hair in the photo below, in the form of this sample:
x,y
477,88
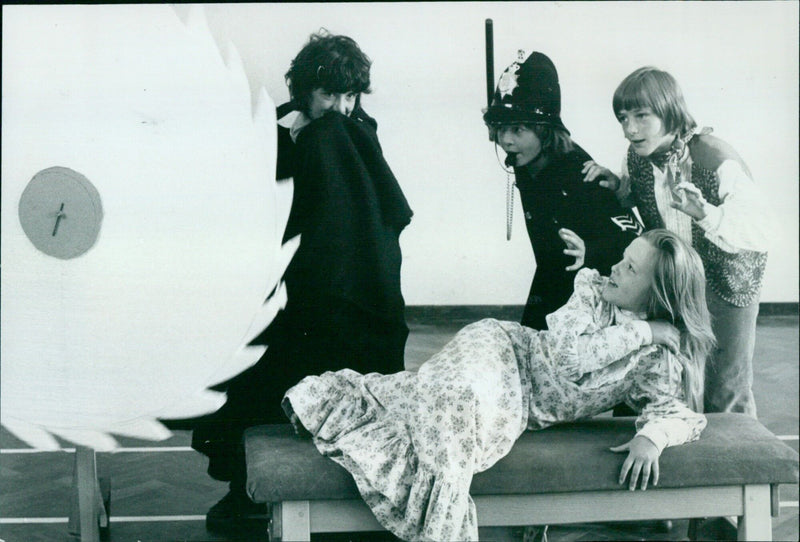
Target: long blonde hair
x,y
679,297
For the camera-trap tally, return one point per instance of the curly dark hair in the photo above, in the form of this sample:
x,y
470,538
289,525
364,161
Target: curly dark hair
x,y
330,62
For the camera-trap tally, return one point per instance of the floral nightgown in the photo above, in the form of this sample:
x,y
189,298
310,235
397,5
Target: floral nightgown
x,y
413,441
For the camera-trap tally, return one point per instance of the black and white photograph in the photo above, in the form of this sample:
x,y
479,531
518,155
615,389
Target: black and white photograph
x,y
418,271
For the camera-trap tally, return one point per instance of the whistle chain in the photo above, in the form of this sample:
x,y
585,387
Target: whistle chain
x,y
509,205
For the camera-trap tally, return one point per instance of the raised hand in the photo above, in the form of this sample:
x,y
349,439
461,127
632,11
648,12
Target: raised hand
x,y
687,198
575,247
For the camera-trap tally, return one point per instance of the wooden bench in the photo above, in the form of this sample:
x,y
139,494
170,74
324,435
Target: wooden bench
x,y
564,474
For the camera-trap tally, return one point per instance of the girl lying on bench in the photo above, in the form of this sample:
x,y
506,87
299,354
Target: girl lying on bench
x,y
413,440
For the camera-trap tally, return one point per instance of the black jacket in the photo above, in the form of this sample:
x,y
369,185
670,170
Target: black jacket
x,y
556,197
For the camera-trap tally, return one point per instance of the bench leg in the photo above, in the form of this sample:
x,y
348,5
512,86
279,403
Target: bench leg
x,y
91,499
291,521
756,523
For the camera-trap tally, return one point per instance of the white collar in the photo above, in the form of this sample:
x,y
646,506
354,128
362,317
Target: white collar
x,y
299,123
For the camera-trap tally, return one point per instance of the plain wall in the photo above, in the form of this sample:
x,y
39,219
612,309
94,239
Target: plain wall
x,y
736,61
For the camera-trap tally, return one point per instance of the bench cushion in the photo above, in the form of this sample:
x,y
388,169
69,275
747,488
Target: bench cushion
x,y
733,450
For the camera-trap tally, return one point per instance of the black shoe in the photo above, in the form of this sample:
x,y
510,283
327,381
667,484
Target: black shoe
x,y
717,529
643,527
232,511
663,525
535,533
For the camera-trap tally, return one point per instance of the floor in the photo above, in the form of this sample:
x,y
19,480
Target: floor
x,y
160,492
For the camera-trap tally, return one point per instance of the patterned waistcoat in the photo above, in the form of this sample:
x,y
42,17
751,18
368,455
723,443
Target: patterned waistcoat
x,y
735,277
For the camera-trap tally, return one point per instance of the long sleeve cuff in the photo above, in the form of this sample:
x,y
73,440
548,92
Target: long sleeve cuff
x,y
655,435
710,223
644,330
665,432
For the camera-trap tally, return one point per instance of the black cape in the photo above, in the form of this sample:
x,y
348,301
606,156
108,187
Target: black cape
x,y
345,308
349,210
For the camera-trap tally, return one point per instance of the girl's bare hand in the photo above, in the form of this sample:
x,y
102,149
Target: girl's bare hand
x,y
666,334
642,460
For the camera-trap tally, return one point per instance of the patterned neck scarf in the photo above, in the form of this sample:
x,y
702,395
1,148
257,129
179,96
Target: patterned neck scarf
x,y
678,151
677,154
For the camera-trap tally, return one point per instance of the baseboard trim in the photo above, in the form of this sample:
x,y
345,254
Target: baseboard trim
x,y
461,314
464,314
778,309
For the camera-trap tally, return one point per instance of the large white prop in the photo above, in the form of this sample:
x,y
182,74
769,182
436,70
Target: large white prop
x,y
141,223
